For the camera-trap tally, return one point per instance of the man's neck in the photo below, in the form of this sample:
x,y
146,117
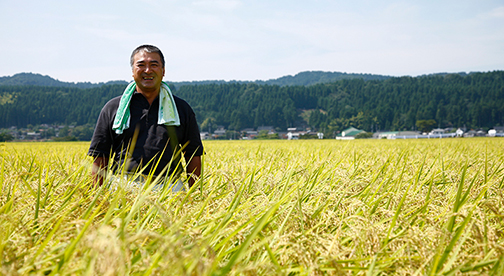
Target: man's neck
x,y
149,95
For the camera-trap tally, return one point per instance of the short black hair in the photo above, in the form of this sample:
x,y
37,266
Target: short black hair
x,y
148,49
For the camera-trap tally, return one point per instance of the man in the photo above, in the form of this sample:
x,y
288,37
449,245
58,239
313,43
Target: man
x,y
145,128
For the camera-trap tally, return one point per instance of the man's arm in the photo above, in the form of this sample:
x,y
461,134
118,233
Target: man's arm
x,y
99,169
193,169
102,141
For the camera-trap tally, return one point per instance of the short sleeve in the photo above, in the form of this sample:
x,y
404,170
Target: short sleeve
x,y
101,143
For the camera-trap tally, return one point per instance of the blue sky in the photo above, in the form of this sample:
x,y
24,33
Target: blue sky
x,y
250,40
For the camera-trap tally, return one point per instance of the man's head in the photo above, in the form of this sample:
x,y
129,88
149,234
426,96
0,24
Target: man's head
x,y
149,49
147,65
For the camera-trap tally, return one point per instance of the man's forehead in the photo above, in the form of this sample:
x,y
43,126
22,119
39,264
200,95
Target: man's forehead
x,y
144,56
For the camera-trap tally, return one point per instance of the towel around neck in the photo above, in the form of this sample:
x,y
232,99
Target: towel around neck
x,y
167,113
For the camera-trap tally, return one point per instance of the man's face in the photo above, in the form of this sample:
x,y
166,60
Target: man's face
x,y
148,71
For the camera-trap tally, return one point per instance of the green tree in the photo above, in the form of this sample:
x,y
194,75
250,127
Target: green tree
x,y
5,137
209,125
83,133
263,135
425,125
364,135
65,131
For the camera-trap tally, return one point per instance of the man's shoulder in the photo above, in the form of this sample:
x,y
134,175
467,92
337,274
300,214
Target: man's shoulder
x,y
181,104
112,104
179,100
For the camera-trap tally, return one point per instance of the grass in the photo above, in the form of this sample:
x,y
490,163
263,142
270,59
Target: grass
x,y
363,207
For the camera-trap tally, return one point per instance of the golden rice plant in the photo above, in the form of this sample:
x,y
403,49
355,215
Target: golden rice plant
x,y
324,207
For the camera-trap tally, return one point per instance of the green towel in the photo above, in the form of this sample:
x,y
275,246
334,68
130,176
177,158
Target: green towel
x,y
167,113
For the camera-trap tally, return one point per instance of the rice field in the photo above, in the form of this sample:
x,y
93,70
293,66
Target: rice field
x,y
324,207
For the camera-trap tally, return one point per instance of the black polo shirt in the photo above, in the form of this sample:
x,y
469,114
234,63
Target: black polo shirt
x,y
152,144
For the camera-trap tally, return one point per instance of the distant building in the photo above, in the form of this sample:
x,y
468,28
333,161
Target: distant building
x,y
474,133
204,135
219,132
459,132
294,133
499,129
248,133
437,131
32,136
348,134
394,134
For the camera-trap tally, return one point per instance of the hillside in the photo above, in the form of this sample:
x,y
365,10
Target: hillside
x,y
41,80
453,100
316,77
474,100
304,78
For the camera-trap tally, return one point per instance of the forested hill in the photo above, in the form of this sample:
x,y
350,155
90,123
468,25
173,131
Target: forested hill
x,y
452,100
41,80
316,77
474,100
306,78
303,78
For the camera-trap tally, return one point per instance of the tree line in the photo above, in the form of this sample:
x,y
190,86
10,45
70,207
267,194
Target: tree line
x,y
303,78
474,100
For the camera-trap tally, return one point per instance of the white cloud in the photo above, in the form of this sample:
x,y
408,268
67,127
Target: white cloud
x,y
497,12
106,33
221,5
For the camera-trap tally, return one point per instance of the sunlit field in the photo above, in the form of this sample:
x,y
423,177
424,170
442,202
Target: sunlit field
x,y
362,207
